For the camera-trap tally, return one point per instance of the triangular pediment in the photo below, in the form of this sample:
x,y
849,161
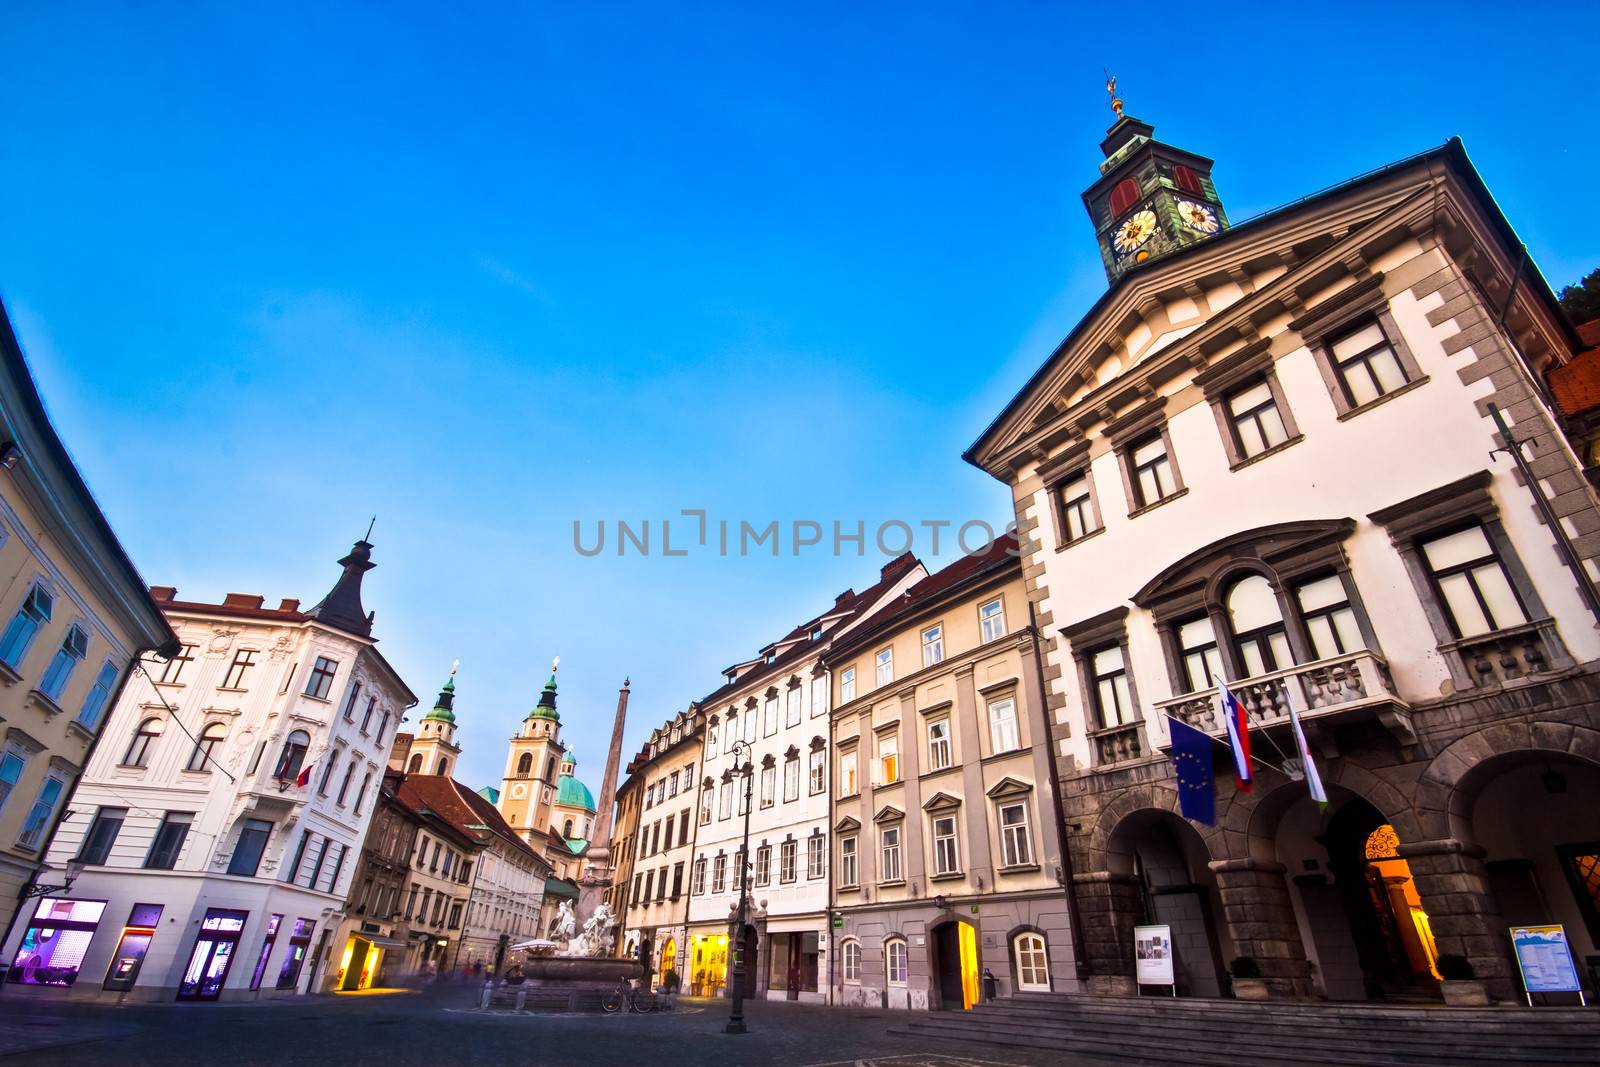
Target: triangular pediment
x,y
941,802
847,824
889,813
1009,787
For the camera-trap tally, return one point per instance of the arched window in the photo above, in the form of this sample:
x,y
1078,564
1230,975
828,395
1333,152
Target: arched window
x,y
293,755
416,764
444,767
1032,961
566,829
852,961
1123,196
894,961
1187,180
549,768
200,759
1259,637
144,740
525,765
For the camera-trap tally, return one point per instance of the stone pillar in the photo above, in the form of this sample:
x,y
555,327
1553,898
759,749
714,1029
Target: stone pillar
x,y
1260,918
598,872
1110,906
1454,887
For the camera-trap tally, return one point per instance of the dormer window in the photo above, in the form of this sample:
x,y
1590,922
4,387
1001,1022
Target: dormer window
x,y
1124,196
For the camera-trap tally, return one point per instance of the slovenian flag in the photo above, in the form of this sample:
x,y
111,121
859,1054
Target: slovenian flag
x,y
305,774
1313,779
1238,735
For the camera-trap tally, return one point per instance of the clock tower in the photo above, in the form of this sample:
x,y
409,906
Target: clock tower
x,y
1151,199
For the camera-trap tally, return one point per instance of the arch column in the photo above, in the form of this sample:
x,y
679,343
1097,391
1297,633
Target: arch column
x,y
1110,907
1454,886
1261,922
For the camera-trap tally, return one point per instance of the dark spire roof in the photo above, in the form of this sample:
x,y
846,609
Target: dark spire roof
x,y
342,606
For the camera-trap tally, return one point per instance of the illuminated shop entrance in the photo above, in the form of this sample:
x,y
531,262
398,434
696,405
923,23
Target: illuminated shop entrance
x,y
212,957
359,964
135,942
710,964
955,966
54,944
669,959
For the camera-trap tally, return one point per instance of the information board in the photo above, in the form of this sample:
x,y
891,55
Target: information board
x,y
1545,959
1152,953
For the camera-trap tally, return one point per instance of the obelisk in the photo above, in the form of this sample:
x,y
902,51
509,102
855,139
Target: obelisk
x,y
597,873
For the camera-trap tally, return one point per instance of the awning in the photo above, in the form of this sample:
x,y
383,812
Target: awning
x,y
381,941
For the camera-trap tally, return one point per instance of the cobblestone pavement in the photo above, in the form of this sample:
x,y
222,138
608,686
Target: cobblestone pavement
x,y
439,1027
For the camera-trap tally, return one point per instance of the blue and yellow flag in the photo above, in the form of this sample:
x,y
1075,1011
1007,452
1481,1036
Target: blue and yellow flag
x,y
1192,758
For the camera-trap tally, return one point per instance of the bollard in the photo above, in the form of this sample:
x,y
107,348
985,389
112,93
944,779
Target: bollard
x,y
488,996
522,997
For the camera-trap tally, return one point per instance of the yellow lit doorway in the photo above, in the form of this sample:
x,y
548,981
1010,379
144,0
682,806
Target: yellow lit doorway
x,y
710,963
955,963
1390,878
359,964
669,959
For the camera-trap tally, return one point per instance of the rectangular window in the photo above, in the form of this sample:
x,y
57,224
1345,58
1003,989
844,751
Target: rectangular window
x,y
251,844
102,835
54,943
819,695
888,758
705,805
786,861
1016,843
699,877
816,856
677,880
1257,423
11,764
1110,678
1152,476
320,683
719,874
992,618
655,839
74,647
847,685
764,865
172,669
38,821
932,645
29,619
649,886
661,885
725,801
1329,619
946,849
239,669
1366,364
884,662
169,841
817,772
638,884
1077,508
939,745
848,871
731,734
350,702
94,705
672,785
366,716
1003,734
769,786
889,849
666,835
1202,663
791,779
683,827
847,775
750,725
791,715
769,724
1472,583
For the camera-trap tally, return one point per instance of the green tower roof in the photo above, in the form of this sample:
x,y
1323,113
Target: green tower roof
x,y
444,710
546,708
571,793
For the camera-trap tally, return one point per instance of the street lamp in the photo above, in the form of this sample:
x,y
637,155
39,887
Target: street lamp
x,y
741,765
74,868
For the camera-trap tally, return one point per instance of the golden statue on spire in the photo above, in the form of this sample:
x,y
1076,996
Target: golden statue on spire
x,y
1116,101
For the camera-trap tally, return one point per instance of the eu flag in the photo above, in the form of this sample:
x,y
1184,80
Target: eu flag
x,y
1191,757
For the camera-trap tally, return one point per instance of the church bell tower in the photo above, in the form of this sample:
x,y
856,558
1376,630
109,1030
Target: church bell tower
x,y
434,749
1151,199
527,791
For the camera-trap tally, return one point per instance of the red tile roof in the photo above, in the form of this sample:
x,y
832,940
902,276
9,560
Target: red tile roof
x,y
1576,386
459,806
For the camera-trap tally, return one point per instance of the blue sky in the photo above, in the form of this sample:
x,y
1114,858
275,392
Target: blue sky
x,y
487,270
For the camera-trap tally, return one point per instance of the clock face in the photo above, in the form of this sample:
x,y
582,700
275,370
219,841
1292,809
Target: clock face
x,y
1135,231
518,790
1197,216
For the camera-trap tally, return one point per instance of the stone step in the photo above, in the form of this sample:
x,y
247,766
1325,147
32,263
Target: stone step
x,y
1167,1033
1297,1008
1372,1054
1518,1025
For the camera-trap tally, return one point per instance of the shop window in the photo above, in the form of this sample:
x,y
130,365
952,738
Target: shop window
x,y
128,958
212,956
55,941
295,955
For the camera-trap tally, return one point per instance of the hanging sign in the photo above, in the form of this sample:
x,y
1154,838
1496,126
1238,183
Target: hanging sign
x,y
1152,953
1545,959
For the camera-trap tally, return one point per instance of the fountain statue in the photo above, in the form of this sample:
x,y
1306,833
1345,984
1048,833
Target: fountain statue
x,y
564,925
595,941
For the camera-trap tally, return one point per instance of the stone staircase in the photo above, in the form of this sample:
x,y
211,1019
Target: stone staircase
x,y
1227,1033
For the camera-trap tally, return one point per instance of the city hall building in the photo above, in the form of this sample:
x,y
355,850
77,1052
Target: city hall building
x,y
1269,455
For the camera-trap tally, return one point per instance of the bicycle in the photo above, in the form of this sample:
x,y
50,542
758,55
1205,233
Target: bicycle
x,y
627,995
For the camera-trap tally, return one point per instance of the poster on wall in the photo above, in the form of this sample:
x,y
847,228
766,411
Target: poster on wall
x,y
1545,959
1152,953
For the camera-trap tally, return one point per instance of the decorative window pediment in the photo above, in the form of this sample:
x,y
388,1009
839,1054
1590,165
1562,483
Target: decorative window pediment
x,y
889,813
941,802
769,760
818,744
1009,787
791,753
846,824
1284,548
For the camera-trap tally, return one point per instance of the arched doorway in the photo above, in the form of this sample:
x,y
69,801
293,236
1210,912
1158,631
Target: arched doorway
x,y
954,966
1171,868
1392,935
669,960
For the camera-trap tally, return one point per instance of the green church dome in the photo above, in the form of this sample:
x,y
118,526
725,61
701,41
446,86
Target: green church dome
x,y
570,792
